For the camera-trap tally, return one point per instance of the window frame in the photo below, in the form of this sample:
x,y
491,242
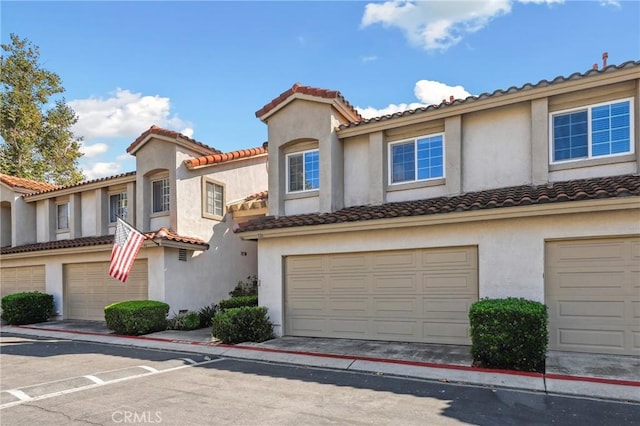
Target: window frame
x,y
414,140
66,204
288,175
589,109
168,195
206,181
120,193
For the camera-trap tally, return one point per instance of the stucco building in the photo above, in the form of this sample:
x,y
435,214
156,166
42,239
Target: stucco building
x,y
390,228
184,195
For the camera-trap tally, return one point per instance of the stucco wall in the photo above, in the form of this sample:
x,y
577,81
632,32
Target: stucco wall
x,y
510,251
89,213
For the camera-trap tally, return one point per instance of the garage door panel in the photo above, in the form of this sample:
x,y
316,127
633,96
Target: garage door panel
x,y
593,293
348,327
449,309
448,283
386,307
354,306
395,283
444,332
388,295
389,261
341,283
394,330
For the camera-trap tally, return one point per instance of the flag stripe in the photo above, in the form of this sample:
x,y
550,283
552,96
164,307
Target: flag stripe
x,y
127,244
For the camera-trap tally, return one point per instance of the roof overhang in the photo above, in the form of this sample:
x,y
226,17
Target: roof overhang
x,y
586,206
101,183
334,102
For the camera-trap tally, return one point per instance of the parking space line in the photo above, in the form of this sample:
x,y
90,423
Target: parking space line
x,y
94,379
19,394
151,369
23,397
189,360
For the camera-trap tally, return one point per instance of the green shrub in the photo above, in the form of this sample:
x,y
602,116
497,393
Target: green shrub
x,y
135,317
246,288
244,324
206,314
184,321
509,333
26,308
237,302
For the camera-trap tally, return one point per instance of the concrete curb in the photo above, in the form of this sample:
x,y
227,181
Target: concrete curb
x,y
620,390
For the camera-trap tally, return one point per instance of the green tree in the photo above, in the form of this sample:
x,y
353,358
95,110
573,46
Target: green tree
x,y
37,141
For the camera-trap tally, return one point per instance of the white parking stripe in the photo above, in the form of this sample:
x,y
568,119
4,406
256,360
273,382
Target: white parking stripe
x,y
17,392
94,379
189,360
153,370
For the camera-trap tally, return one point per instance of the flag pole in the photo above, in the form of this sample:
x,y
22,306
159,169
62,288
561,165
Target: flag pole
x,y
137,230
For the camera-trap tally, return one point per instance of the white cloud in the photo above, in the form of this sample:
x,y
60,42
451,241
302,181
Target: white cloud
x,y
125,157
368,58
124,114
428,93
438,25
100,169
612,3
433,92
187,131
94,150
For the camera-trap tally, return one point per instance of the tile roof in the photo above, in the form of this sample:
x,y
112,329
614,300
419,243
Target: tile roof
x,y
31,185
554,192
306,90
499,92
86,182
253,201
155,130
210,160
161,234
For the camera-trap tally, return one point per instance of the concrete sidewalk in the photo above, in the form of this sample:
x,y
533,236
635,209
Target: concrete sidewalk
x,y
595,376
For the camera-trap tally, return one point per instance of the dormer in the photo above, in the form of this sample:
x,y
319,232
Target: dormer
x,y
305,155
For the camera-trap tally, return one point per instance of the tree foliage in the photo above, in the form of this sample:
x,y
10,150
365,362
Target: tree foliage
x,y
37,141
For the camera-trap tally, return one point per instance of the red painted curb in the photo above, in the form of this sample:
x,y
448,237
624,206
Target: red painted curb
x,y
631,383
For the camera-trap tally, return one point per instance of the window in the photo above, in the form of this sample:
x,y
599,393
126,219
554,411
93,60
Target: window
x,y
596,131
63,216
213,199
160,189
415,160
303,171
117,206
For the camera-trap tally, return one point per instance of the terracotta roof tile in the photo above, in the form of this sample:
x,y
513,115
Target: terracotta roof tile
x,y
155,130
253,201
31,185
555,192
222,158
161,234
499,92
307,90
86,182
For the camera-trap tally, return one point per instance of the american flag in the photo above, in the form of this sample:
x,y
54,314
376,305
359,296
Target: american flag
x,y
125,249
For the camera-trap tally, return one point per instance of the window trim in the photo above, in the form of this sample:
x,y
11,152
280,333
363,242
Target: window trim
x,y
161,212
58,205
110,194
205,181
287,175
415,157
589,108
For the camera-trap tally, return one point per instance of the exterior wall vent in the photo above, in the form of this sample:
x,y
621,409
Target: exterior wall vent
x,y
182,254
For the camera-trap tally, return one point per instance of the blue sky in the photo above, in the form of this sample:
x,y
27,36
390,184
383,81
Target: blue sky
x,y
204,68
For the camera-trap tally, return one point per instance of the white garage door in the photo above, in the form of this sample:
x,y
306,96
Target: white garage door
x,y
88,288
593,294
23,278
402,295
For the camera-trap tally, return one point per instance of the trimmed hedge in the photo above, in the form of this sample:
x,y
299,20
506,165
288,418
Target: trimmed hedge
x,y
136,317
509,333
244,324
237,302
26,308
